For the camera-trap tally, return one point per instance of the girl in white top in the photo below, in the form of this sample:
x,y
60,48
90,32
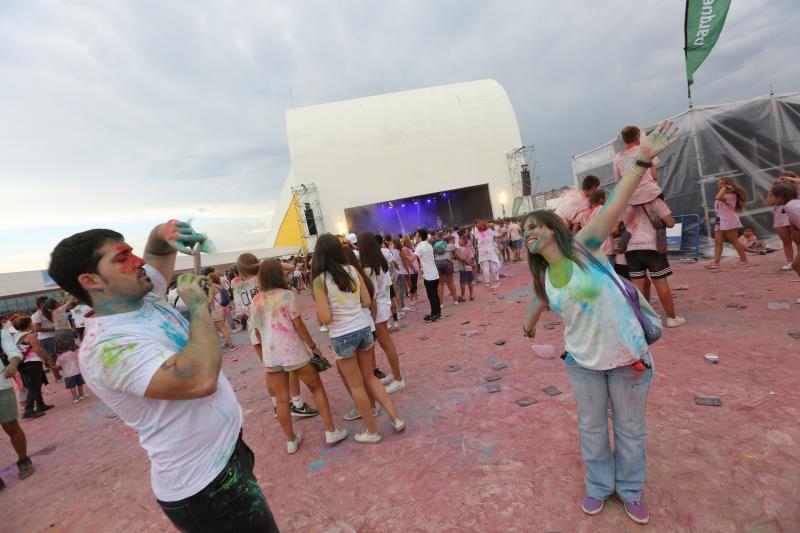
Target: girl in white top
x,y
340,293
377,268
608,357
218,311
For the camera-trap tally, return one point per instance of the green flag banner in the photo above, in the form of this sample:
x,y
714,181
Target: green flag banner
x,y
704,21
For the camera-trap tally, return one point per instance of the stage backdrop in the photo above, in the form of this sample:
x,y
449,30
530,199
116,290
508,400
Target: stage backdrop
x,y
431,211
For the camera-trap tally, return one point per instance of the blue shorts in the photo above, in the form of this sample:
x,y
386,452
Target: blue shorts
x,y
516,244
74,381
465,276
348,344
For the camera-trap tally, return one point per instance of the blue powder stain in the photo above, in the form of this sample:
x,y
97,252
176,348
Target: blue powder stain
x,y
316,465
488,450
593,242
178,338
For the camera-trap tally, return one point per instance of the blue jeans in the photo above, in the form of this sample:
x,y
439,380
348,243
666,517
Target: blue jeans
x,y
623,470
348,344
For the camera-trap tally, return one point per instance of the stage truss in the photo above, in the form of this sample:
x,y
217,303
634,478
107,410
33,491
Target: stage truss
x,y
518,160
306,195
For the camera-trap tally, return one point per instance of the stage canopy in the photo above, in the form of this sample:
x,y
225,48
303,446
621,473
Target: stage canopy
x,y
750,141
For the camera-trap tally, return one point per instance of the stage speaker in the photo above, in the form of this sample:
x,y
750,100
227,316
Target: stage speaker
x,y
310,222
525,174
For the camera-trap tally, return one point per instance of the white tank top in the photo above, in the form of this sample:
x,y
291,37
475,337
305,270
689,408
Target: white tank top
x,y
346,311
600,330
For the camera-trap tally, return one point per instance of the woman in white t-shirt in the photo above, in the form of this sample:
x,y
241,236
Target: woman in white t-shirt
x,y
377,268
340,294
487,254
607,355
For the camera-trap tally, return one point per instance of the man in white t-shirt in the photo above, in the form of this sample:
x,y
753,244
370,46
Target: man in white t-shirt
x,y
45,329
162,375
79,315
430,275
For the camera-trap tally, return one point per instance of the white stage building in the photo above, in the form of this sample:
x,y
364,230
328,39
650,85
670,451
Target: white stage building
x,y
353,161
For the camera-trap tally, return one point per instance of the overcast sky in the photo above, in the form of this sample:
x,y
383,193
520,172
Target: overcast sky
x,y
125,113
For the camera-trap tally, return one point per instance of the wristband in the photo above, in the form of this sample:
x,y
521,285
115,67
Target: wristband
x,y
643,164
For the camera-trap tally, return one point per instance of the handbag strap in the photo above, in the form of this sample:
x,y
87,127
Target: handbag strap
x,y
581,248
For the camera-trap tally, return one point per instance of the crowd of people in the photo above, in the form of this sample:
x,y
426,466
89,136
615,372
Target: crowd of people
x,y
152,350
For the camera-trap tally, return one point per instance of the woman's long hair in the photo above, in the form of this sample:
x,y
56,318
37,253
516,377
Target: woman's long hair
x,y
741,194
329,257
563,237
369,253
271,276
352,260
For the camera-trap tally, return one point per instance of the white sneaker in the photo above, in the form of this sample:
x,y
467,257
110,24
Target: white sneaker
x,y
407,308
76,400
455,302
365,437
786,266
675,322
400,314
323,328
395,386
399,425
352,414
292,445
376,410
387,379
338,434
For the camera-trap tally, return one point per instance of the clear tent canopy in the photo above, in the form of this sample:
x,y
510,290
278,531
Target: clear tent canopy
x,y
750,141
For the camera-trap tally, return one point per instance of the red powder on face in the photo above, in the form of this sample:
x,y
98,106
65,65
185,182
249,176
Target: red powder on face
x,y
127,261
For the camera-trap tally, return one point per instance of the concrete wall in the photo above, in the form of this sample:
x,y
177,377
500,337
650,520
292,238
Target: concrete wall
x,y
398,145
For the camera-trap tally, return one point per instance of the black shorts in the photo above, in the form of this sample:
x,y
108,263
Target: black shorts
x,y
391,290
642,262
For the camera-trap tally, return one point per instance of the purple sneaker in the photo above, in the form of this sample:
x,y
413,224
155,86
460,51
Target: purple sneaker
x,y
638,512
591,505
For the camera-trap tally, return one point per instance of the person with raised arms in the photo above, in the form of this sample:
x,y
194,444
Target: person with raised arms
x,y
162,375
607,354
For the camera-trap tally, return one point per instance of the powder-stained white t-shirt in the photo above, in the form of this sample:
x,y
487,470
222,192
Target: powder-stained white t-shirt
x,y
42,321
189,442
424,251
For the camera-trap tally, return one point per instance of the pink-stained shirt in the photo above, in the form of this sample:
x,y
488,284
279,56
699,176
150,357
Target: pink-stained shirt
x,y
608,245
726,211
68,361
571,206
793,212
748,243
779,217
648,190
643,234
272,313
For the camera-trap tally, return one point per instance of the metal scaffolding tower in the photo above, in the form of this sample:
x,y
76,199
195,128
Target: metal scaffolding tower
x,y
521,166
308,207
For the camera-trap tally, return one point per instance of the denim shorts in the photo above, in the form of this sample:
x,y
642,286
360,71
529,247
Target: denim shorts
x,y
348,344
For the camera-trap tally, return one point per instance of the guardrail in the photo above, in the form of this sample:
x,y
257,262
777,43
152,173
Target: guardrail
x,y
688,241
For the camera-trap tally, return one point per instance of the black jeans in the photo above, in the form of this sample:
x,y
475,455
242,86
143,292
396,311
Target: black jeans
x,y
31,372
233,501
432,290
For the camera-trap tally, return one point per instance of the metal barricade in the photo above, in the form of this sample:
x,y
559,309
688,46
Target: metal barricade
x,y
689,236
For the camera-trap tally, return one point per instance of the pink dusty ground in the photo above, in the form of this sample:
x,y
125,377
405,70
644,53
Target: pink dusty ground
x,y
474,461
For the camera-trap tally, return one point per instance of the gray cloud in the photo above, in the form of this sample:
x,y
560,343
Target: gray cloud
x,y
111,106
